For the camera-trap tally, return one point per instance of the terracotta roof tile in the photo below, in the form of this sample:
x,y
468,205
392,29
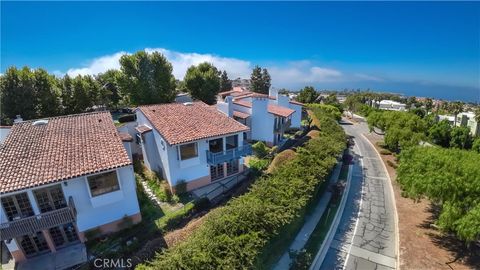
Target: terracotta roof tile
x,y
179,123
279,110
296,103
240,114
273,109
143,129
65,147
125,137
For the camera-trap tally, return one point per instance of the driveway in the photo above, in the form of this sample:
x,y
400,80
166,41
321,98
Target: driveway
x,y
366,237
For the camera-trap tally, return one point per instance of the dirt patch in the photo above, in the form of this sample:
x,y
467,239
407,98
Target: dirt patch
x,y
421,245
175,237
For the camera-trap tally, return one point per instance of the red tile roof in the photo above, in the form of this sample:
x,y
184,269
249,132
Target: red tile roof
x,y
279,110
143,128
179,123
125,137
296,103
65,147
273,109
240,114
243,103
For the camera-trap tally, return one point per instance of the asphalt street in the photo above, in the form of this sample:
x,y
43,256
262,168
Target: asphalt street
x,y
366,236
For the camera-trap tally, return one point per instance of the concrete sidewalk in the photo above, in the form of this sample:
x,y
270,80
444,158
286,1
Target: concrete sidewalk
x,y
311,222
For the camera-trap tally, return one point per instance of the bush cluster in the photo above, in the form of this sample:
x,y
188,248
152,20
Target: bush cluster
x,y
234,236
451,179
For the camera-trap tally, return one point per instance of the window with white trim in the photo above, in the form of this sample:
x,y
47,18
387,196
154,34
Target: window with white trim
x,y
103,183
188,151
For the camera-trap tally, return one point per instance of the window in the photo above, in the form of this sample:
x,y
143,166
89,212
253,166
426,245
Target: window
x,y
17,206
50,198
216,172
138,138
188,151
232,166
103,183
232,141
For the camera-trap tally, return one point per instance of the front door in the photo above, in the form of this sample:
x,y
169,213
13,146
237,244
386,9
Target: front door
x,y
33,244
63,235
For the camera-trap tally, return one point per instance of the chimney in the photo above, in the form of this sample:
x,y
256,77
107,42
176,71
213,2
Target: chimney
x,y
229,101
19,119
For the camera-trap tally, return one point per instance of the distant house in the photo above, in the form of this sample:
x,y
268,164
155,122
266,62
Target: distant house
x,y
191,144
467,119
267,116
449,118
61,178
391,105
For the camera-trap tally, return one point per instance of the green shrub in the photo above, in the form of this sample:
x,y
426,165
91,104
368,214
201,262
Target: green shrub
x,y
260,150
280,159
258,164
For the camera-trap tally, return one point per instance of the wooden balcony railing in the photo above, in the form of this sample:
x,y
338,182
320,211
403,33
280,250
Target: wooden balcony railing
x,y
32,224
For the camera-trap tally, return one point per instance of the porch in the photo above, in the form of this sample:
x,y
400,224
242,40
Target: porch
x,y
61,259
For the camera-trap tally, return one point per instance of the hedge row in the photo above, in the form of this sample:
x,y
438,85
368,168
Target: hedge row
x,y
235,236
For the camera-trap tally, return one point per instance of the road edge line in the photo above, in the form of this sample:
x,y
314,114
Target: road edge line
x,y
397,242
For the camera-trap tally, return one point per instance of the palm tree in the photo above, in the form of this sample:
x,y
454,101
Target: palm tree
x,y
456,108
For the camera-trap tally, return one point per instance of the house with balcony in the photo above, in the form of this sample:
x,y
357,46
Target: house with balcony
x,y
267,116
191,144
62,180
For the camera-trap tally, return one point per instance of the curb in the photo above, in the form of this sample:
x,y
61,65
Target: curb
x,y
322,252
397,242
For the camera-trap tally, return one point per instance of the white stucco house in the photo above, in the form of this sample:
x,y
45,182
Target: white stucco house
x,y
391,105
267,116
61,178
467,119
191,144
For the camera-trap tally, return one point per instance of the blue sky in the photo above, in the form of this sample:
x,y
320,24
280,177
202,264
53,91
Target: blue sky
x,y
423,49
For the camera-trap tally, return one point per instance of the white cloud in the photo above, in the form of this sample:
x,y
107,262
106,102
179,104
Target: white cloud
x,y
98,65
290,74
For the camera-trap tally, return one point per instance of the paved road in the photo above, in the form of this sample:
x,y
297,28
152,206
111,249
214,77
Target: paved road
x,y
366,237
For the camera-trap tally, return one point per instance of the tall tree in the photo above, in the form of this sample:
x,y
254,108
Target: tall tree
x,y
428,105
225,83
461,138
48,94
147,78
68,104
441,133
17,94
203,82
81,99
260,80
307,95
109,89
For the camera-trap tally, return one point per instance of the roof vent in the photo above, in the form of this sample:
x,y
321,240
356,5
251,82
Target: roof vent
x,y
188,103
40,122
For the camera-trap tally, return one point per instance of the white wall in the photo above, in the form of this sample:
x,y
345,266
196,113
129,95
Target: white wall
x,y
296,116
106,208
130,129
4,131
262,121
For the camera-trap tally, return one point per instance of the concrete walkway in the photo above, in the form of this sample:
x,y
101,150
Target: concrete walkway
x,y
311,222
